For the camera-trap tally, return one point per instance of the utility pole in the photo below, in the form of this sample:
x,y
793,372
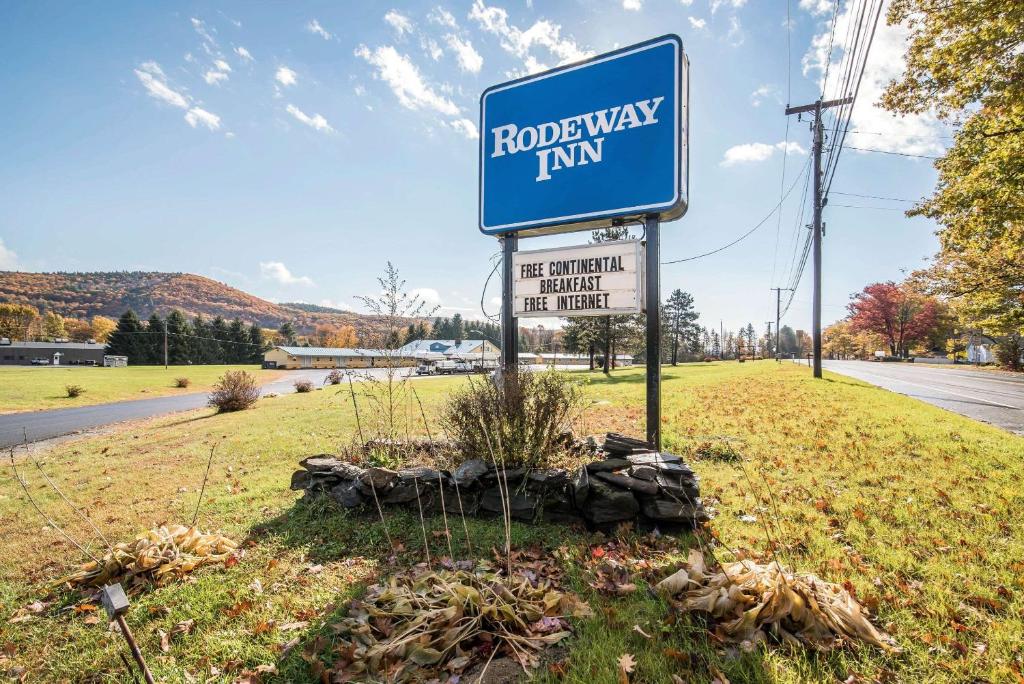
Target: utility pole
x,y
778,316
819,203
774,352
165,345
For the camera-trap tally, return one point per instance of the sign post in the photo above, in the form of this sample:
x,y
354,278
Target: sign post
x,y
588,145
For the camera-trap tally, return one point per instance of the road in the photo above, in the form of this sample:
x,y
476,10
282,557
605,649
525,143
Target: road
x,y
40,425
991,397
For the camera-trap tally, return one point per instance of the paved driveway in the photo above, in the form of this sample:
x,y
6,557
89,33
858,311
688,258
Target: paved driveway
x,y
991,397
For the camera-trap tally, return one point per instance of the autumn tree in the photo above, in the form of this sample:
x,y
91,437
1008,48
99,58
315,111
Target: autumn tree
x,y
16,319
965,62
895,312
101,328
53,326
77,330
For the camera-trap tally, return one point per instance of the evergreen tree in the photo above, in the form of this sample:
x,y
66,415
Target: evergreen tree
x,y
155,340
219,331
287,333
127,339
204,349
256,345
787,342
238,350
458,330
681,318
179,340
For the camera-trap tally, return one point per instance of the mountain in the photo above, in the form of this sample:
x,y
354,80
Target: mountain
x,y
83,295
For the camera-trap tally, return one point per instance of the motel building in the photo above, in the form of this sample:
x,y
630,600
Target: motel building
x,y
412,354
15,353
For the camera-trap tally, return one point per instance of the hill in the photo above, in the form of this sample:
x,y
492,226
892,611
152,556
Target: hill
x,y
83,295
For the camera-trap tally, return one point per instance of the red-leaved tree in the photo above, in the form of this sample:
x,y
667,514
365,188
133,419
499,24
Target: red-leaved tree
x,y
895,312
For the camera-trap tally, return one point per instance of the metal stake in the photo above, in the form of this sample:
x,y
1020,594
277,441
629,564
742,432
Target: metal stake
x,y
509,323
653,276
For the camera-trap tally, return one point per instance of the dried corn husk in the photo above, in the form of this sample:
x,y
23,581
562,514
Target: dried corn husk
x,y
161,553
750,601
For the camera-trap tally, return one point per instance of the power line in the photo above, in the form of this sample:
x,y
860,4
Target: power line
x,y
878,197
899,154
857,206
741,237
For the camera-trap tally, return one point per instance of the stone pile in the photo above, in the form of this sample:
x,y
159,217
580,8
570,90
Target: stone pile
x,y
629,482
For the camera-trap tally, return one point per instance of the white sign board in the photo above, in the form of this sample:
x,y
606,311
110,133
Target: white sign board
x,y
593,280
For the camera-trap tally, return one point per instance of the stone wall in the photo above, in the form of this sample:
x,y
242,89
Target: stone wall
x,y
628,482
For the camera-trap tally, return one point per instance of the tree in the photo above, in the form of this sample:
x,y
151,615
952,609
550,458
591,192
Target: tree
x,y
458,331
179,338
102,327
787,342
681,318
287,334
219,332
16,319
53,326
895,312
77,330
128,339
238,350
964,62
257,346
582,335
154,340
837,340
204,348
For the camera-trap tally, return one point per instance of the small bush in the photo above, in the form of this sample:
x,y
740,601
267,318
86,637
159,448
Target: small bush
x,y
303,386
182,382
74,391
234,391
334,377
518,418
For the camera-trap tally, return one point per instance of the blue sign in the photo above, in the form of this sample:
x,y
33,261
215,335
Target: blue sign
x,y
576,147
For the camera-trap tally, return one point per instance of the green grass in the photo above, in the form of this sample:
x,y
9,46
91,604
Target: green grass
x,y
34,388
917,508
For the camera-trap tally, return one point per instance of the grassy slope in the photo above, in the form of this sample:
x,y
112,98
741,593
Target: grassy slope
x,y
31,388
909,503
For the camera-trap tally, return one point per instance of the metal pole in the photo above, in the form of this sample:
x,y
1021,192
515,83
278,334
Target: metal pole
x,y
653,276
816,241
509,324
136,653
165,345
778,308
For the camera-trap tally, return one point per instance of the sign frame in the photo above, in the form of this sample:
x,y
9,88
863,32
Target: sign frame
x,y
640,251
665,211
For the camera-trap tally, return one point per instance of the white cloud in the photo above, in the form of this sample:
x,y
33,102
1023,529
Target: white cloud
x,y
466,128
243,53
315,27
155,83
203,31
222,65
764,92
316,122
285,76
336,304
911,134
469,59
431,47
514,40
198,115
398,21
214,77
427,295
632,5
405,80
817,6
8,259
735,4
439,15
685,3
749,153
276,271
735,35
698,24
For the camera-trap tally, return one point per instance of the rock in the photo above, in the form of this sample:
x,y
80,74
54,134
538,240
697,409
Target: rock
x,y
653,458
401,493
579,487
469,472
510,475
421,473
620,445
300,480
347,471
321,463
643,472
322,480
380,479
606,504
671,511
675,471
521,506
553,480
683,490
607,465
627,482
347,495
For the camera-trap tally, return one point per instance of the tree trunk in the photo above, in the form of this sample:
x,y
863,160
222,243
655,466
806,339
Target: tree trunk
x,y
591,350
607,344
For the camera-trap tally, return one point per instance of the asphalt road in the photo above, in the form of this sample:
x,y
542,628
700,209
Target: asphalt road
x,y
40,425
991,397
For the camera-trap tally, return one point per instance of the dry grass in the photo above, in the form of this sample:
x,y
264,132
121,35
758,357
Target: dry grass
x,y
913,509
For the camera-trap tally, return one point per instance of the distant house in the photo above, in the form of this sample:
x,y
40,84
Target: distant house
x,y
449,349
51,353
290,358
981,349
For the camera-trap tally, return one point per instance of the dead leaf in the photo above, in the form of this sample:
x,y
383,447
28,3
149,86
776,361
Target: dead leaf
x,y
626,665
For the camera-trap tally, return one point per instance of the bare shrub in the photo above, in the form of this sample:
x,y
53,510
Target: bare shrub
x,y
518,419
74,391
334,377
234,391
303,386
182,382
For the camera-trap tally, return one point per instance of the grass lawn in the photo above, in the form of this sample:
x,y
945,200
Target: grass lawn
x,y
918,509
34,388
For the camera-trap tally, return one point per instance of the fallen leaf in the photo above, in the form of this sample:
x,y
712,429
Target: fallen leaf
x,y
626,665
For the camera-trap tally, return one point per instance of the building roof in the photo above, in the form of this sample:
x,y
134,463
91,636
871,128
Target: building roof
x,y
331,351
450,347
54,346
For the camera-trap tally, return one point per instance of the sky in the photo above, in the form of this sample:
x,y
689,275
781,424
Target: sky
x,y
292,149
